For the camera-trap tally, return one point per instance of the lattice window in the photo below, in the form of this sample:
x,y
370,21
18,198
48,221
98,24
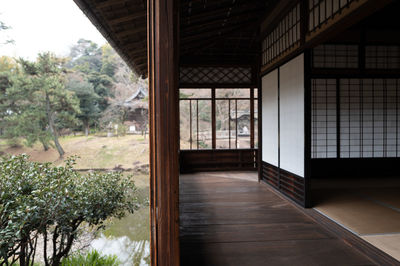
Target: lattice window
x,y
382,57
335,56
369,117
322,10
283,37
215,75
323,117
233,124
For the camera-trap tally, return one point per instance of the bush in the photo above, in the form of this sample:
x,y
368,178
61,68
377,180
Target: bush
x,y
52,202
92,258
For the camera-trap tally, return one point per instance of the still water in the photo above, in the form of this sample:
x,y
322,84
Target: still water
x,y
127,238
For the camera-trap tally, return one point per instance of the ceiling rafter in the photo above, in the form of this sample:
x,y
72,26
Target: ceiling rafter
x,y
126,18
212,22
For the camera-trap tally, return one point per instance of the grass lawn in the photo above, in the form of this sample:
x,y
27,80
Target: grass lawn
x,y
94,151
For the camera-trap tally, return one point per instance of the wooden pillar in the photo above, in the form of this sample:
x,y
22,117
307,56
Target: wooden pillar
x,y
164,130
252,118
213,121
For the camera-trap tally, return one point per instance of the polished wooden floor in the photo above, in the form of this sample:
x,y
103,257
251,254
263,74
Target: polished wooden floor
x,y
231,219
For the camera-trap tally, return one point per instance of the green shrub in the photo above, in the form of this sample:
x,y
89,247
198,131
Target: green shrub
x,y
42,200
93,258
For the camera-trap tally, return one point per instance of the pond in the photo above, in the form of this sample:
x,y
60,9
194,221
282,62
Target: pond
x,y
128,238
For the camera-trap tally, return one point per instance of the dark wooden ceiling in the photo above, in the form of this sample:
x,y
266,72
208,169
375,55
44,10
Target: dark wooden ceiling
x,y
211,31
220,31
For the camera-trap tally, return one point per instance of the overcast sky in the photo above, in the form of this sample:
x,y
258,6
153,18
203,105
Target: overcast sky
x,y
44,25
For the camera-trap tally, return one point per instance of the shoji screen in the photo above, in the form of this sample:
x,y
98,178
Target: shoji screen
x,y
270,118
323,118
292,116
369,118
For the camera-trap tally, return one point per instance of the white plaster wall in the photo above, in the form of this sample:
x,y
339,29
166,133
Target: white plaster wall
x,y
270,118
292,116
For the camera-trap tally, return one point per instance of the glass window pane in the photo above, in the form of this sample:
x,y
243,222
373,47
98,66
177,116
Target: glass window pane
x,y
243,123
232,93
222,123
205,125
194,93
184,110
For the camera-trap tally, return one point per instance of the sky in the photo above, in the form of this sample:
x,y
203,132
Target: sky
x,y
43,25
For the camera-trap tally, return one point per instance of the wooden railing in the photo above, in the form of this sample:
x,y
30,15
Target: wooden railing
x,y
217,160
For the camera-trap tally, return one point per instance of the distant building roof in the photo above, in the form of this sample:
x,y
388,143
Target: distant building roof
x,y
141,93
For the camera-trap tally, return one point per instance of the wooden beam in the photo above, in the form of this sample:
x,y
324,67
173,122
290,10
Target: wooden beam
x,y
134,44
164,130
218,31
128,17
138,51
274,14
109,3
217,23
131,31
210,15
211,40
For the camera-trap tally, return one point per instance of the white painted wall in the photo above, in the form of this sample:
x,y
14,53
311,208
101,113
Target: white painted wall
x,y
292,116
270,118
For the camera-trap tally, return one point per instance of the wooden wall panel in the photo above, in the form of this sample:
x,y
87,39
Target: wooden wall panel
x,y
289,184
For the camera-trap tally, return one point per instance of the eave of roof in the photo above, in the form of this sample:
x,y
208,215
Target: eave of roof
x,y
99,14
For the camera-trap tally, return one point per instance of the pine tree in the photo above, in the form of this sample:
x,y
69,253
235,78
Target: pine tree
x,y
88,100
38,102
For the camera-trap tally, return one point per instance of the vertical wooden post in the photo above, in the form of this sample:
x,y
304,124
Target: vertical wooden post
x,y
213,120
252,118
307,129
258,79
164,130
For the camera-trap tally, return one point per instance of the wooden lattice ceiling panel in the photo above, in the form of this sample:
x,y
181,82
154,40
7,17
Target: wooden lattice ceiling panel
x,y
215,75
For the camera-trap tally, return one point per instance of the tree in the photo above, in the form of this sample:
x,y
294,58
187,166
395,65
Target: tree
x,y
38,103
53,202
97,65
102,85
85,56
88,100
109,60
8,68
4,39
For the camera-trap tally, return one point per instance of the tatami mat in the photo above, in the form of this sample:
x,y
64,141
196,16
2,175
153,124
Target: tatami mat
x,y
387,243
360,215
373,214
385,196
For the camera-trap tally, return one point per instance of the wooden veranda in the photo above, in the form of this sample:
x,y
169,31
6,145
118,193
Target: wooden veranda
x,y
285,53
228,218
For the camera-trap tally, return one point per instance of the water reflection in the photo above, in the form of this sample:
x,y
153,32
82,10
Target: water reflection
x,y
128,252
127,238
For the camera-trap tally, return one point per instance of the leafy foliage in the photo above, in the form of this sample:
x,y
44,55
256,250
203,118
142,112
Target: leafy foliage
x,y
92,258
41,100
4,27
88,100
37,104
53,202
